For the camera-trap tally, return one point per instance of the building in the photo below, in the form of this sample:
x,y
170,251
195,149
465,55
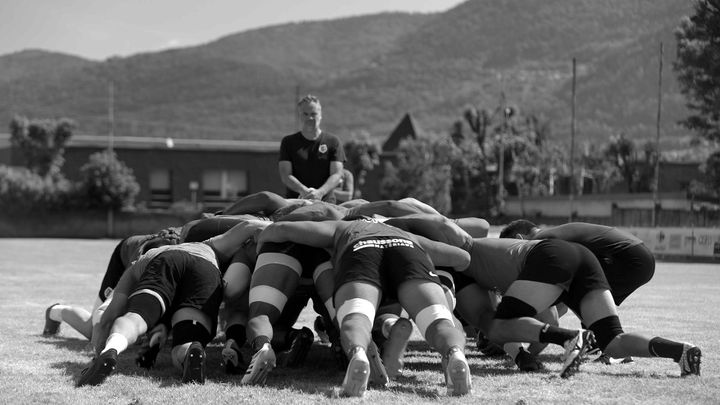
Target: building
x,y
208,173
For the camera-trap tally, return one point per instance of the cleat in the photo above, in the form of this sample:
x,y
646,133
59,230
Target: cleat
x,y
263,361
231,358
321,330
607,360
299,348
99,369
488,348
378,375
394,347
194,364
575,352
146,359
457,373
527,362
357,374
690,360
51,327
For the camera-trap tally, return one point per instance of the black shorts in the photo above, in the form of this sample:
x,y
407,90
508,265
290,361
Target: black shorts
x,y
115,270
182,280
385,267
568,265
627,270
308,256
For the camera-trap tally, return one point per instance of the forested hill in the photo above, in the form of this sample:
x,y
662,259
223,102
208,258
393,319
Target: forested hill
x,y
370,70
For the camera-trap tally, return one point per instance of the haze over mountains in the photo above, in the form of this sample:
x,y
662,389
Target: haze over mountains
x,y
370,70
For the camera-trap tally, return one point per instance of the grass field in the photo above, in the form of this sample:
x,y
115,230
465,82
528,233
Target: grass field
x,y
681,303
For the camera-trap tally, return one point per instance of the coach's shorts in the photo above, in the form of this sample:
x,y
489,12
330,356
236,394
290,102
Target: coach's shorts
x,y
627,270
568,265
308,256
386,265
181,280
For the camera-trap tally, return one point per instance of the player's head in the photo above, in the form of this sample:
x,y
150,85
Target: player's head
x,y
519,229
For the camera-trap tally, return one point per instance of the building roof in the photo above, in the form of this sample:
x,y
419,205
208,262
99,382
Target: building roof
x,y
138,142
405,129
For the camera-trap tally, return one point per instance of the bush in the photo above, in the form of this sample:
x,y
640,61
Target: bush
x,y
24,191
106,182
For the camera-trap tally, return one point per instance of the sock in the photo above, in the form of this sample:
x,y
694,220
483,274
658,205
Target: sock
x,y
236,332
660,347
116,341
56,312
258,342
513,349
555,334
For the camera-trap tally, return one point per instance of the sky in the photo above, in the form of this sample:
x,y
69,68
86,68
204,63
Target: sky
x,y
98,29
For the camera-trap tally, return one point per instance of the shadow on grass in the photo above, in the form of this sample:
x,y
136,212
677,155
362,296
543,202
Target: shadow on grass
x,y
62,342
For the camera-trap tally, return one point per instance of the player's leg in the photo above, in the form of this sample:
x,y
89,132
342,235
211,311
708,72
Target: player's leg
x,y
236,295
426,303
276,277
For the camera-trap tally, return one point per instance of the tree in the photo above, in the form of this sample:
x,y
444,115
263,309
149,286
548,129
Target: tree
x,y
698,67
636,168
362,154
106,182
42,143
422,171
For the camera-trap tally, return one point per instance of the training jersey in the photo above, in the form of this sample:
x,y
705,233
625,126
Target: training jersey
x,y
311,159
602,240
495,263
360,234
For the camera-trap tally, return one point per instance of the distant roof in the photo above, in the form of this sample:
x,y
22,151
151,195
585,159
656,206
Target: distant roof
x,y
138,142
405,129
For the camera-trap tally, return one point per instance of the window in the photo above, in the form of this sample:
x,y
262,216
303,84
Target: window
x,y
160,188
221,187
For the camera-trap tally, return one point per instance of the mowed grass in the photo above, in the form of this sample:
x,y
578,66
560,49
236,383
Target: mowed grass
x,y
681,303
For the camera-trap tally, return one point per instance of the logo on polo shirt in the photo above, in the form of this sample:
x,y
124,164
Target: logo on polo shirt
x,y
322,148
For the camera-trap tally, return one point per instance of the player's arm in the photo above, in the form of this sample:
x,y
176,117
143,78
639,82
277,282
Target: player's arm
x,y
229,242
443,254
311,233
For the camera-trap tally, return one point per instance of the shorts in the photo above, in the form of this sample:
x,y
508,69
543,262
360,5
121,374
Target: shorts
x,y
182,280
627,270
308,256
386,267
568,265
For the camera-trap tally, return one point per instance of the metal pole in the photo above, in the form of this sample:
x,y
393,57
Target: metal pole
x,y
656,201
572,145
111,115
501,158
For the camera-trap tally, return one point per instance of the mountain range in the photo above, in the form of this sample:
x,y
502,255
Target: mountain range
x,y
369,71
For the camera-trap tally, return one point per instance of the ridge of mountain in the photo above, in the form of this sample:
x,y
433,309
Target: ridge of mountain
x,y
370,70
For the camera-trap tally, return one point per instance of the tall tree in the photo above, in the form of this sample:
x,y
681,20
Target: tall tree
x,y
42,142
698,67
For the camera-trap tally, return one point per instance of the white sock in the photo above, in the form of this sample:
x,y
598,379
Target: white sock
x,y
56,312
116,341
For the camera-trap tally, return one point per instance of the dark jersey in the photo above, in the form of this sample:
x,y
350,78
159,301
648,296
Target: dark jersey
x,y
311,159
603,241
